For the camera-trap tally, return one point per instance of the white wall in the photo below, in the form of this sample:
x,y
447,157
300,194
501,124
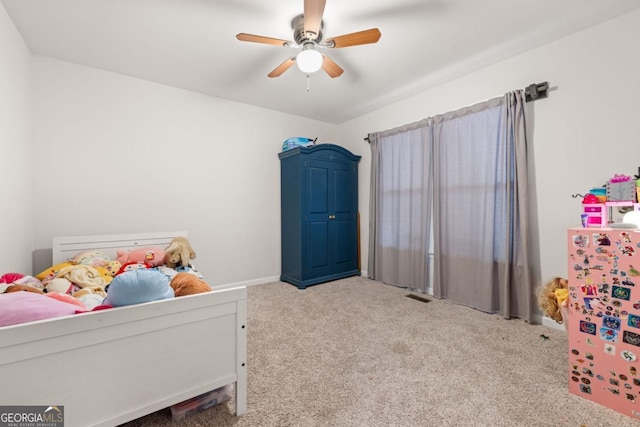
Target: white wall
x,y
16,182
115,154
586,131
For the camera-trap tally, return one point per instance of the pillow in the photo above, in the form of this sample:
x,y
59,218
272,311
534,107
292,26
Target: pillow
x,y
92,258
138,286
66,298
51,272
21,307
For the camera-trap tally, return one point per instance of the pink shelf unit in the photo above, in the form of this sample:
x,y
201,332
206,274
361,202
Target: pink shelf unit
x,y
598,213
603,318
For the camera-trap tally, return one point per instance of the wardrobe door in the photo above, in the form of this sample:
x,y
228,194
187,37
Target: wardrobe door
x,y
317,220
343,232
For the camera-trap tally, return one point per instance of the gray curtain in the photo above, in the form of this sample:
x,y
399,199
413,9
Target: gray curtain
x,y
401,205
480,207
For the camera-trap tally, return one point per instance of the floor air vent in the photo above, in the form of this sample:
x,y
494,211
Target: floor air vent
x,y
418,298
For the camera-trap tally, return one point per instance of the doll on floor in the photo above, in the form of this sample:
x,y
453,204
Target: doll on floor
x,y
552,297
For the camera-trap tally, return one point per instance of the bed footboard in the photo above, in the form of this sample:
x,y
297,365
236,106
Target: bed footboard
x,y
112,366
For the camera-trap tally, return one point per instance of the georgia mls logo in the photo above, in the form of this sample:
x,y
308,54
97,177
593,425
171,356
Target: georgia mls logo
x,y
32,416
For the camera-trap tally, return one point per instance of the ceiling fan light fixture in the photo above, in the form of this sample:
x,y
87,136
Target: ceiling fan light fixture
x,y
309,60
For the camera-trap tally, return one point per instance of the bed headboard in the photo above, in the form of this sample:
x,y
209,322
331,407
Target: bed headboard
x,y
65,248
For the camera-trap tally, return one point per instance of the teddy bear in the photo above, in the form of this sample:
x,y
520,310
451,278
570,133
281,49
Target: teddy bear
x,y
150,255
178,253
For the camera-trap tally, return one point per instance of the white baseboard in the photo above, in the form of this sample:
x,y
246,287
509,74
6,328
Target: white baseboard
x,y
549,323
260,281
252,282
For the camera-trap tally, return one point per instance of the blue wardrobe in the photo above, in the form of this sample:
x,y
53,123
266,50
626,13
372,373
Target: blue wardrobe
x,y
319,208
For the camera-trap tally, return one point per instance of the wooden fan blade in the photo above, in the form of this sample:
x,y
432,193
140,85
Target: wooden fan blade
x,y
330,67
354,39
313,10
282,67
260,39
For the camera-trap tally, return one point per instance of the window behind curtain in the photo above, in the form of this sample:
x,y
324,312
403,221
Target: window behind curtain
x,y
473,173
402,207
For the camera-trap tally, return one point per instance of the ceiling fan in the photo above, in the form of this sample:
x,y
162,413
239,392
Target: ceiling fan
x,y
308,36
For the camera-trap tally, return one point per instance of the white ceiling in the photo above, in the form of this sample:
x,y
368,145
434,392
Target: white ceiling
x,y
191,44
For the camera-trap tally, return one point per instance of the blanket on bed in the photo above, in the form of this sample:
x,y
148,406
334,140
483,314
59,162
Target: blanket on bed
x,y
82,284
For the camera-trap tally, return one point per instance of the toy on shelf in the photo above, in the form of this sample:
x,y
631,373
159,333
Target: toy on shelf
x,y
620,191
621,188
296,142
599,215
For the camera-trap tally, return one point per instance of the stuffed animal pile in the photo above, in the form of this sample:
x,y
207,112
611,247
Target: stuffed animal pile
x,y
92,281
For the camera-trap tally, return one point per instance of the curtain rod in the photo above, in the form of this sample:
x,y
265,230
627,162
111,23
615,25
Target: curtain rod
x,y
533,92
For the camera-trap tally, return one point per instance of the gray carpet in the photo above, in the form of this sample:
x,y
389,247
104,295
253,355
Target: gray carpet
x,y
356,352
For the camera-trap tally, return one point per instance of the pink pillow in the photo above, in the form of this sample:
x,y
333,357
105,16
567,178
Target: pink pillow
x,y
22,307
67,298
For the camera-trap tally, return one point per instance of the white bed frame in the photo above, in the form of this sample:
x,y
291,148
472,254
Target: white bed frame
x,y
112,366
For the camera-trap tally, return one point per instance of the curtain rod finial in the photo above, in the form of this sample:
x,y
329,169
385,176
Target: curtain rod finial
x,y
536,91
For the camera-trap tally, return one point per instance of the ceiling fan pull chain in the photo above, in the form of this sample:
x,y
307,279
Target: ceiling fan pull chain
x,y
308,83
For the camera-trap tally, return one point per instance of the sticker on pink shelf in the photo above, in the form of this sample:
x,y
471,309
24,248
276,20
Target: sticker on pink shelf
x,y
631,338
629,356
634,321
581,241
610,335
611,322
627,250
587,327
627,282
610,349
589,289
621,293
602,239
